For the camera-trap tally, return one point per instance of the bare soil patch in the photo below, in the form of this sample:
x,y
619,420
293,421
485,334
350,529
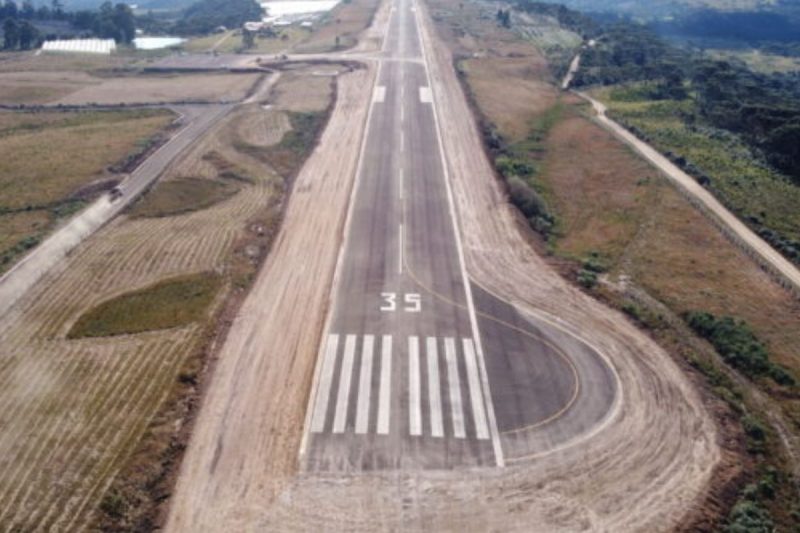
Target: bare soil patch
x,y
143,89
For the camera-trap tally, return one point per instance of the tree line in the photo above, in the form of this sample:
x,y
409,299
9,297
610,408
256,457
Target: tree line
x,y
763,109
20,29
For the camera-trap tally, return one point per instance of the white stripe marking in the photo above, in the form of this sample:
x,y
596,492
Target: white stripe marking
x,y
379,96
365,385
342,400
478,413
434,394
400,251
414,400
454,385
384,398
324,387
496,445
425,95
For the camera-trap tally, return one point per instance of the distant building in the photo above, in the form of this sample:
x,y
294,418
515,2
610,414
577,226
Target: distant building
x,y
307,24
80,46
254,26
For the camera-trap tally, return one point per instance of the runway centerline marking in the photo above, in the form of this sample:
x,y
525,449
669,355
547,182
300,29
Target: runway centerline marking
x,y
414,392
384,395
365,385
401,245
342,400
326,378
434,395
454,386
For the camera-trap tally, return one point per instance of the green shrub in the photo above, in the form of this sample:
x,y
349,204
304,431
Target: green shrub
x,y
749,516
587,278
525,198
738,346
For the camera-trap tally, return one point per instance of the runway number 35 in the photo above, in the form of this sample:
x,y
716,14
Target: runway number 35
x,y
411,302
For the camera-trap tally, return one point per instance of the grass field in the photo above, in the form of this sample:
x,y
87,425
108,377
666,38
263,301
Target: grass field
x,y
231,42
38,184
183,195
171,303
339,29
761,197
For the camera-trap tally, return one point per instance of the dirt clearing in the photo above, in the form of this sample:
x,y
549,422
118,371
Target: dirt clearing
x,y
148,89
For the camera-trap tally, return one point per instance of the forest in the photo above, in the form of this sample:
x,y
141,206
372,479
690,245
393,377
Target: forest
x,y
764,109
21,23
207,15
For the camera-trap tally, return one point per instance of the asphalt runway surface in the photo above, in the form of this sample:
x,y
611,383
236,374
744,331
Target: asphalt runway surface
x,y
419,367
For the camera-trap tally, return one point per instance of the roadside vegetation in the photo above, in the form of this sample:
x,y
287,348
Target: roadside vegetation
x,y
167,304
624,234
40,185
720,160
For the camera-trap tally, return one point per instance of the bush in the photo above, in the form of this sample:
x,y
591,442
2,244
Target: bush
x,y
587,278
738,346
749,517
525,198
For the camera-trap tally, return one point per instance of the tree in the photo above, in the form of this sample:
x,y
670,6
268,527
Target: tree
x,y
28,11
57,8
10,34
28,35
248,39
125,22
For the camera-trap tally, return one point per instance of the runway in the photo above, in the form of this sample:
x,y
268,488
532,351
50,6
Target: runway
x,y
420,368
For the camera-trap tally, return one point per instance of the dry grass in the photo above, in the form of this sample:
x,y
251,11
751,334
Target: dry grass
x,y
611,202
41,87
74,410
346,22
16,62
510,91
166,88
37,182
302,91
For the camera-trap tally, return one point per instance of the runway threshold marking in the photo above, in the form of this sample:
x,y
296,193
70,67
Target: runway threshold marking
x,y
326,378
475,393
434,396
365,385
414,392
385,397
484,378
454,386
343,398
